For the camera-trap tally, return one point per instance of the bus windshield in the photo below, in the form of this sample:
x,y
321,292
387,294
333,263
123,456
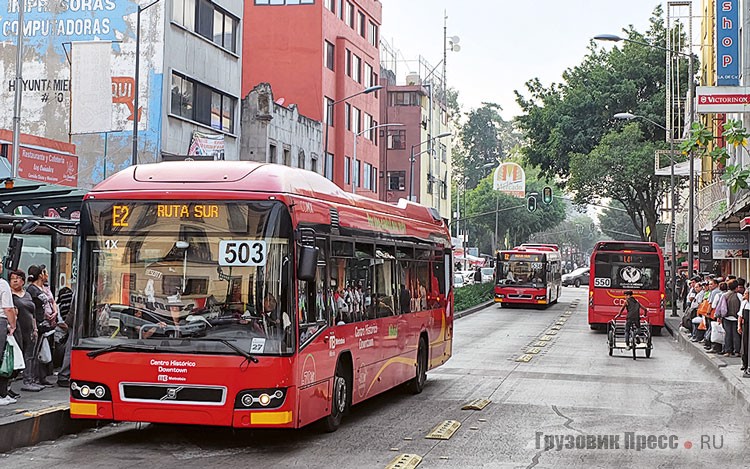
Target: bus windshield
x,y
188,276
627,271
521,273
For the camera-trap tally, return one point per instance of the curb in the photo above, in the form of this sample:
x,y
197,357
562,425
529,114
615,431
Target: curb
x,y
738,387
32,427
473,309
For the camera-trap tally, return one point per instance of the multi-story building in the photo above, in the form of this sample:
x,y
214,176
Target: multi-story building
x,y
275,133
189,78
420,108
315,53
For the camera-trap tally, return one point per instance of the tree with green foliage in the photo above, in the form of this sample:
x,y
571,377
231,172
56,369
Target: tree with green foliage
x,y
572,135
615,223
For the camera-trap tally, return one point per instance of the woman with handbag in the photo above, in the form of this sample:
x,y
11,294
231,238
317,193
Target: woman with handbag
x,y
27,325
45,317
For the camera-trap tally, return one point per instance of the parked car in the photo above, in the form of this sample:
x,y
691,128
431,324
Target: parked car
x,y
458,280
468,276
578,277
488,274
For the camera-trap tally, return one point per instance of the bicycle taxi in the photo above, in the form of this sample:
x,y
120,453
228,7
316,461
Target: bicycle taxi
x,y
640,336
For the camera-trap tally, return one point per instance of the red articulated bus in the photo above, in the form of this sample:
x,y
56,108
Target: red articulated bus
x,y
528,275
618,266
252,295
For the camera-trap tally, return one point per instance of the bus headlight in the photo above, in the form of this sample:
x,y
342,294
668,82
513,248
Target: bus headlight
x,y
83,390
541,297
260,399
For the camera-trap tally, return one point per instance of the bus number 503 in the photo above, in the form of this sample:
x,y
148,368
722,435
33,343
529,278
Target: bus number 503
x,y
248,253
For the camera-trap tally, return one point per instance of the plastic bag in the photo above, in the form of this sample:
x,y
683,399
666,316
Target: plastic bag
x,y
45,354
18,361
6,367
717,333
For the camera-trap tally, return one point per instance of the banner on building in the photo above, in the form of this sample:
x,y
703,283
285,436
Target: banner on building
x,y
203,144
722,99
510,178
730,244
727,43
91,87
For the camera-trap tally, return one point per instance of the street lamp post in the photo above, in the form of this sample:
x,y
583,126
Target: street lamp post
x,y
17,91
673,273
413,158
137,81
354,157
329,113
691,98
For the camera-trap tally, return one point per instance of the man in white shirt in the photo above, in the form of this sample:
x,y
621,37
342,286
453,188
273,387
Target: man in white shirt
x,y
7,327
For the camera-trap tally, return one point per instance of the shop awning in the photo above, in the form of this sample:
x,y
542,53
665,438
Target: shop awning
x,y
19,195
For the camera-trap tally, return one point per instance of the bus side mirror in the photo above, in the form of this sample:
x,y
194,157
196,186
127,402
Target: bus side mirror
x,y
307,265
15,246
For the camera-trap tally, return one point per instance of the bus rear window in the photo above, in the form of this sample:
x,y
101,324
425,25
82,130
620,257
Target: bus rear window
x,y
627,271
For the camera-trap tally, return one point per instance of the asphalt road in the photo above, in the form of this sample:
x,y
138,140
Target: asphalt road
x,y
666,411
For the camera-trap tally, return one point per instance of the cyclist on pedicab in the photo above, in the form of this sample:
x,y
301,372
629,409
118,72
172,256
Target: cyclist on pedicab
x,y
634,308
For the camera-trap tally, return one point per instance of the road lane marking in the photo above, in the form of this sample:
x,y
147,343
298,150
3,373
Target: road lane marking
x,y
540,344
525,358
545,338
476,404
534,350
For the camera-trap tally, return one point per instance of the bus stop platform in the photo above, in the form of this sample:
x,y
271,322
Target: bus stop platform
x,y
726,369
37,416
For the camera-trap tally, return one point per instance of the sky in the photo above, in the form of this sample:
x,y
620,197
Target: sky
x,y
505,43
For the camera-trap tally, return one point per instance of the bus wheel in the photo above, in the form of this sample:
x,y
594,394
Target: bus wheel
x,y
655,330
340,399
416,385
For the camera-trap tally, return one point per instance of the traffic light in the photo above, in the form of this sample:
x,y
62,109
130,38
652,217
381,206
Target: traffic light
x,y
547,195
531,203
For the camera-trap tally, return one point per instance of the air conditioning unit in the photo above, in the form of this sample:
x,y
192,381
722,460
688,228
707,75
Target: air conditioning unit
x,y
413,79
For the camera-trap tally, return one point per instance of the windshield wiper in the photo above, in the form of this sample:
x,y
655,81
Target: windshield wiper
x,y
122,348
229,344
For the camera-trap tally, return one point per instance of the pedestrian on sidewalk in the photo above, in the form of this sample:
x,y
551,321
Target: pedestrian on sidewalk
x,y
27,325
743,328
729,321
44,314
7,327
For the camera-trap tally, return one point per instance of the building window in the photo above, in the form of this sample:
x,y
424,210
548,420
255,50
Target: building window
x,y
347,164
348,63
195,101
403,98
396,180
357,66
368,127
374,132
331,5
369,76
284,2
329,166
208,20
355,173
367,177
340,9
271,154
443,153
287,157
362,24
330,55
314,164
374,179
348,116
373,34
328,111
349,14
356,120
397,140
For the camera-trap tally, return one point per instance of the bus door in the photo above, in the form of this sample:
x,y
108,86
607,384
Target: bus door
x,y
315,365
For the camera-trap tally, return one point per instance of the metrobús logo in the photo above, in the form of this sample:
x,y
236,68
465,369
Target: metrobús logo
x,y
630,441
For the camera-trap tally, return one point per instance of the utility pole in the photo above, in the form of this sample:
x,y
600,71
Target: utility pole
x,y
18,90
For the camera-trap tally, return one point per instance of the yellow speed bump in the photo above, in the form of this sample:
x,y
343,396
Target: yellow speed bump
x,y
525,358
545,338
534,350
540,344
551,332
444,431
404,461
476,404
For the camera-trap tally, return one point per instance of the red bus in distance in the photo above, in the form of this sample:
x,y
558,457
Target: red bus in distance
x,y
252,295
618,266
528,275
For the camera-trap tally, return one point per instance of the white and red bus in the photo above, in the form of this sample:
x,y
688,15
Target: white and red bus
x,y
528,275
541,247
618,266
252,295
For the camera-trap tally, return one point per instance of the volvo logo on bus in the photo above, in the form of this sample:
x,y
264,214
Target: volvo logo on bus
x,y
171,394
630,274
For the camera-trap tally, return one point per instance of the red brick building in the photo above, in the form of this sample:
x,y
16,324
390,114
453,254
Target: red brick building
x,y
316,52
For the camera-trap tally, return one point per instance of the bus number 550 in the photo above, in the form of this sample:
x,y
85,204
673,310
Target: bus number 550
x,y
603,282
